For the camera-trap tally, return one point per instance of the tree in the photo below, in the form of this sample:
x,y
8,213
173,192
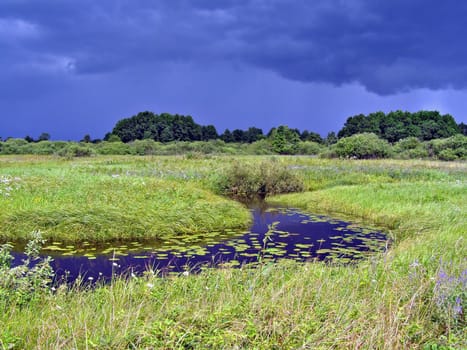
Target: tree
x,y
86,138
238,135
227,136
253,134
311,136
209,132
112,138
43,137
331,138
29,138
463,128
397,125
284,140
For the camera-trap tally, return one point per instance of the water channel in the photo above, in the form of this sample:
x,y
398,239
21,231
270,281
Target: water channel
x,y
276,233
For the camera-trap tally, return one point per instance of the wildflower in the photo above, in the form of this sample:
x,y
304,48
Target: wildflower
x,y
457,307
150,285
90,278
115,264
185,273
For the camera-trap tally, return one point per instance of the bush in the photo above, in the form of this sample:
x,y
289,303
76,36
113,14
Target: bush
x,y
114,148
266,178
76,150
145,147
260,147
362,146
451,148
14,146
410,148
309,148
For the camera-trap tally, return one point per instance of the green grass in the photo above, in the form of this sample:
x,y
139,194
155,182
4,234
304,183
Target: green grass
x,y
403,299
106,200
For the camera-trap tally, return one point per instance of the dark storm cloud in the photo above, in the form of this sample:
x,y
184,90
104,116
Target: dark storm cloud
x,y
386,46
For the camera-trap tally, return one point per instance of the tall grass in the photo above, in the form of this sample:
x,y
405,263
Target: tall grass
x,y
411,297
77,201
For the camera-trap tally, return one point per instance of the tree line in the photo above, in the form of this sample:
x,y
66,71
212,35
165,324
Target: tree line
x,y
167,127
398,125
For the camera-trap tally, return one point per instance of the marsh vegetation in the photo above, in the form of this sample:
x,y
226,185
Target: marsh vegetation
x,y
412,296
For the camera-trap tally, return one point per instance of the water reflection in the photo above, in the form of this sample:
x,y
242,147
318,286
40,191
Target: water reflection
x,y
276,233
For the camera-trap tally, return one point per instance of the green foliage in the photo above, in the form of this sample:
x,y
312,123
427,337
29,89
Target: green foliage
x,y
410,148
331,138
311,136
394,126
44,137
72,150
284,140
21,284
309,148
452,148
114,148
14,146
266,178
164,128
112,138
261,147
362,146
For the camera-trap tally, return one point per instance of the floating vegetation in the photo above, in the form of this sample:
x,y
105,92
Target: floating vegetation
x,y
276,234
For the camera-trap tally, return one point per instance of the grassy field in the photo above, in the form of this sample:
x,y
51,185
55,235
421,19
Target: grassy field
x,y
413,296
109,199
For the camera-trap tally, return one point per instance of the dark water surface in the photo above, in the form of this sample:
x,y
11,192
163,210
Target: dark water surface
x,y
276,233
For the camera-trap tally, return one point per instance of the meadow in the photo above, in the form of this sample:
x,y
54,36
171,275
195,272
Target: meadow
x,y
412,296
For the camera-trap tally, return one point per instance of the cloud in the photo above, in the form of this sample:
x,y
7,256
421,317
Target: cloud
x,y
385,46
16,29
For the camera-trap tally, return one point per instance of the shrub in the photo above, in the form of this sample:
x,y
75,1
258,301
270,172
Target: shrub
x,y
76,150
410,148
309,148
14,146
145,147
117,147
266,178
451,148
260,147
362,146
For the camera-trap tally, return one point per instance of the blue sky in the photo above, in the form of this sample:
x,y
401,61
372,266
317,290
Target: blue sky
x,y
71,67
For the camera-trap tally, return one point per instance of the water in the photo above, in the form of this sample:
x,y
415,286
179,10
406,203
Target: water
x,y
276,233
